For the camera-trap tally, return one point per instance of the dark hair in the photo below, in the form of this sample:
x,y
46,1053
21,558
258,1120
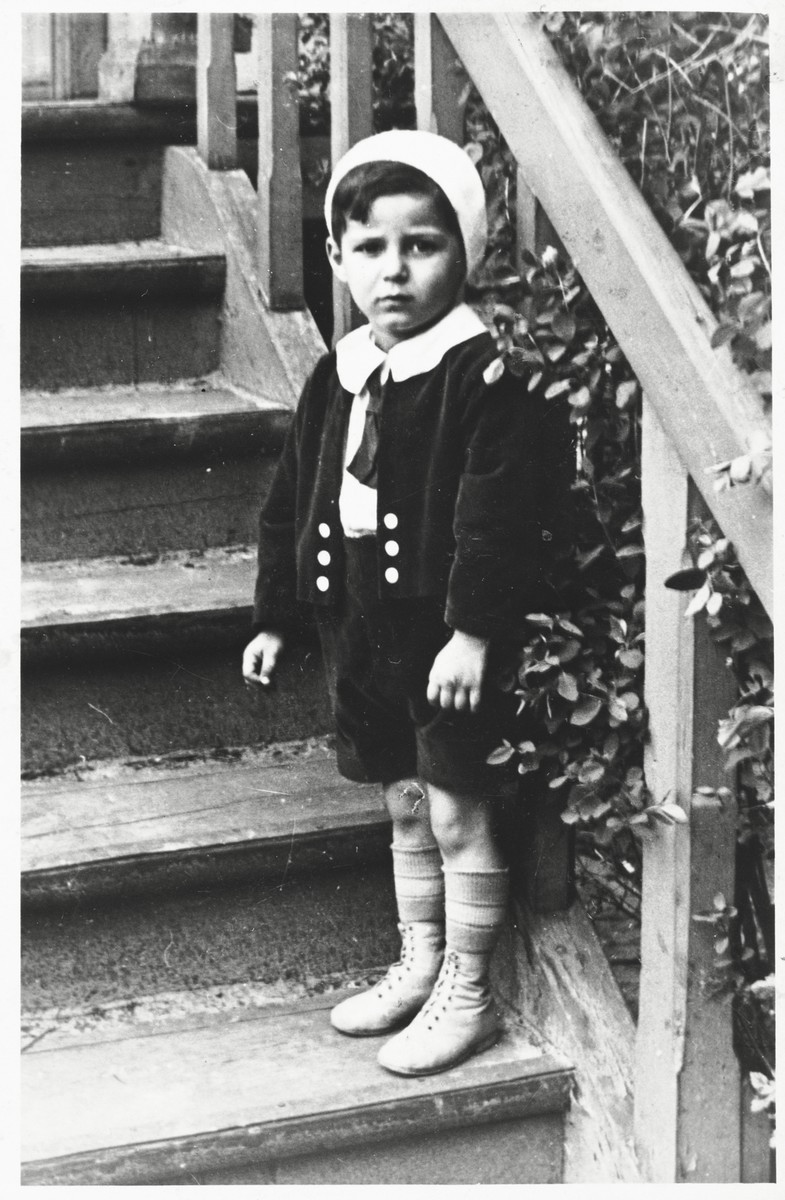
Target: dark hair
x,y
361,186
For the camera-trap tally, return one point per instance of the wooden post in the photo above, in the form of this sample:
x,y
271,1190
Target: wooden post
x,y
351,117
216,91
78,41
541,850
280,247
440,82
687,1120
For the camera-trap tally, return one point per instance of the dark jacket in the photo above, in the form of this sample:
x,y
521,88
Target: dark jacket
x,y
458,497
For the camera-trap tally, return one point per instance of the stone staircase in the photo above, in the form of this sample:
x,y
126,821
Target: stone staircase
x,y
199,885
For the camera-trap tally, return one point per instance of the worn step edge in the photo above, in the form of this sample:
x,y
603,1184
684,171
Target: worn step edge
x,y
79,426
268,1086
140,271
101,592
265,814
97,120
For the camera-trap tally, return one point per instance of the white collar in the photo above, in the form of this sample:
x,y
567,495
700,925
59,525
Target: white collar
x,y
357,355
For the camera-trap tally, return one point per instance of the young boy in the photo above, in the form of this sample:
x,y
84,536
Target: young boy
x,y
404,511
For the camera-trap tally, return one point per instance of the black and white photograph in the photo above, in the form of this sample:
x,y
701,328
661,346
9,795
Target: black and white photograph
x,y
395,689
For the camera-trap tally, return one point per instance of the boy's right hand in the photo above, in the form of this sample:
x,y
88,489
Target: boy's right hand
x,y
260,657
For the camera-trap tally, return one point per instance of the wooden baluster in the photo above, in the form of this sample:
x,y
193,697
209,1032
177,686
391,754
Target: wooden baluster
x,y
527,218
534,230
216,91
440,82
687,1078
545,846
351,109
280,249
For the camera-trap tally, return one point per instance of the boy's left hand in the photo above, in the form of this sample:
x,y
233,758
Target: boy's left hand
x,y
457,673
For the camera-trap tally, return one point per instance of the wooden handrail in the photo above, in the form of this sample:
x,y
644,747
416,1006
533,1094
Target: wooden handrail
x,y
659,318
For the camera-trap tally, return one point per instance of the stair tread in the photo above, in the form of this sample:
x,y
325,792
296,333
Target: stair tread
x,y
276,1081
140,273
80,592
286,794
108,255
79,407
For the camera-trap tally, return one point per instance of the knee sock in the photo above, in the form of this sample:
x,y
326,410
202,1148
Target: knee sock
x,y
475,906
419,883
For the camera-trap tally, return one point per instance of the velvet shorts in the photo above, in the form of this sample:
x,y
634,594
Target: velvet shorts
x,y
378,655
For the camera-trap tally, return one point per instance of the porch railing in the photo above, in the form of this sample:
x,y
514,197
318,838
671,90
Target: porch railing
x,y
698,411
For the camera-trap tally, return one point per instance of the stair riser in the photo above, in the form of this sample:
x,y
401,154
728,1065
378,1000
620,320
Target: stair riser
x,y
111,277
76,193
294,930
113,695
229,865
123,509
97,344
84,444
526,1151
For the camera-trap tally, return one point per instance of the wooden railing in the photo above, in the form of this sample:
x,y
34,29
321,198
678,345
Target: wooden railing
x,y
698,411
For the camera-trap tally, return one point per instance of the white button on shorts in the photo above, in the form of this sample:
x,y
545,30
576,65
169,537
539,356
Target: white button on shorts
x,y
390,521
323,557
391,575
391,548
324,530
322,583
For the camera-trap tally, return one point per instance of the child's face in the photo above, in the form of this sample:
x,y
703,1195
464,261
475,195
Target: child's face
x,y
404,269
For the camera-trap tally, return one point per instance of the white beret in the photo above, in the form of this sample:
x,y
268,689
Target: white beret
x,y
442,161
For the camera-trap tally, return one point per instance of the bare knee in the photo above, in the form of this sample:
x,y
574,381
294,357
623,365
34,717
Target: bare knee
x,y
462,827
456,826
408,807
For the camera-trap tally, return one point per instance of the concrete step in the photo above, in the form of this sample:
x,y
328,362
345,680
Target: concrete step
x,y
256,867
142,656
209,931
122,828
135,471
271,1094
100,592
91,171
123,313
119,270
159,686
190,417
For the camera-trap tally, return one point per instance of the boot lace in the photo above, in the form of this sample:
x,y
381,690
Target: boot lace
x,y
398,969
438,1002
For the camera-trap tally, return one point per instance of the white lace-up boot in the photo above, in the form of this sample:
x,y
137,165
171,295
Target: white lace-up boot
x,y
459,1020
404,989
